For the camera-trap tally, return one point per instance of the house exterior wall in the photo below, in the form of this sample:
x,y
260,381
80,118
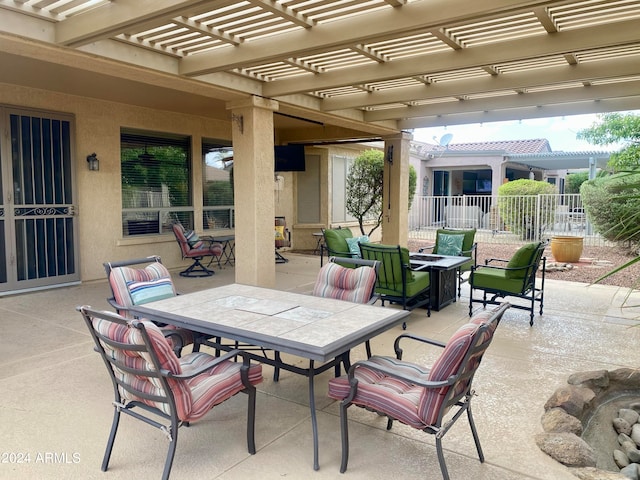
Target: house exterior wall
x,y
98,193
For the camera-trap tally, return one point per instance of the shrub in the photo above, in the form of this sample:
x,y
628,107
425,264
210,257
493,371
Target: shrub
x,y
517,202
612,204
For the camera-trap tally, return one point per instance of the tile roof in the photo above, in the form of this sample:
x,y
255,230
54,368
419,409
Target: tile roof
x,y
537,145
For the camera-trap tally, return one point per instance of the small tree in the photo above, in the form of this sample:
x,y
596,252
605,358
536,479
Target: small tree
x,y
613,128
364,189
518,201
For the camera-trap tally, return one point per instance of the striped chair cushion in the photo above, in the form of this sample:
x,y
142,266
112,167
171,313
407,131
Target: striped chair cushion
x,y
193,239
382,393
215,385
446,365
351,284
193,397
144,292
123,279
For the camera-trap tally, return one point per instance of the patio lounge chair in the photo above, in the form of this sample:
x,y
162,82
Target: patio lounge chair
x,y
456,242
396,281
340,242
152,385
193,248
515,277
420,396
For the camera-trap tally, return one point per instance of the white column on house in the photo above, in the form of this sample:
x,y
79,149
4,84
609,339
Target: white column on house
x,y
253,174
395,195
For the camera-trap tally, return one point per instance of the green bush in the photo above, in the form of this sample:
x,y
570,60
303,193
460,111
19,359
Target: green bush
x,y
518,201
612,204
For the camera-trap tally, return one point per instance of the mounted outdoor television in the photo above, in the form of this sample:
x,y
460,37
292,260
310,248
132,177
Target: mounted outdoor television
x,y
289,158
483,186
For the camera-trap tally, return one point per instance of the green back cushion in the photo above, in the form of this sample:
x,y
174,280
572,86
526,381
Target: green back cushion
x,y
467,242
522,258
335,241
449,244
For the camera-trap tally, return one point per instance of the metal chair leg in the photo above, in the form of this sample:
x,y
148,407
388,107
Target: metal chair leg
x,y
474,432
443,465
112,437
173,442
344,435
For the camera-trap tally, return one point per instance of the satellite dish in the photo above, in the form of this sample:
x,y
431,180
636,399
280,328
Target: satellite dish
x,y
446,139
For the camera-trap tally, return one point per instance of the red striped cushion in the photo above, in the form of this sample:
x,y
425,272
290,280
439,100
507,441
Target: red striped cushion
x,y
194,397
216,385
379,392
351,284
446,365
122,278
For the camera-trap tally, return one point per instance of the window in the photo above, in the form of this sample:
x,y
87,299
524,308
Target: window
x,y
156,187
217,190
340,170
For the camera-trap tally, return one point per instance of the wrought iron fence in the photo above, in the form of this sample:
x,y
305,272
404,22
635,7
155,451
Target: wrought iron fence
x,y
504,219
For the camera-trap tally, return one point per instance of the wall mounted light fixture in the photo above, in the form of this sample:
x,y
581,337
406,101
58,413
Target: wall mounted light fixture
x,y
94,163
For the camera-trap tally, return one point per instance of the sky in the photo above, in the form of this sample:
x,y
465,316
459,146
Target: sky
x,y
559,131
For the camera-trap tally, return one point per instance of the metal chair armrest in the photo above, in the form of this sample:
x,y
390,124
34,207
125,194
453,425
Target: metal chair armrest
x,y
411,336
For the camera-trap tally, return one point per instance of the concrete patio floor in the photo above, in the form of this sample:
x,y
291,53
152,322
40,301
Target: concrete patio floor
x,y
57,396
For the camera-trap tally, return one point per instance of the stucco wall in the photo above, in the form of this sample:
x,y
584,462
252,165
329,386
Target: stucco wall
x,y
97,196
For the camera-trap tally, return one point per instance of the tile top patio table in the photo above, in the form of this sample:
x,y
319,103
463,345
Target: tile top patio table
x,y
318,329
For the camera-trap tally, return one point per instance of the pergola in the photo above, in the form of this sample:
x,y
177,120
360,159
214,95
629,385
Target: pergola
x,y
321,71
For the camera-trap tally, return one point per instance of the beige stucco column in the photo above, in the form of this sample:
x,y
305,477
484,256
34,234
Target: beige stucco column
x,y
395,196
252,135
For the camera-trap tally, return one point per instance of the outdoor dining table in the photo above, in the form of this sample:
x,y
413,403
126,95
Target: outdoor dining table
x,y
322,330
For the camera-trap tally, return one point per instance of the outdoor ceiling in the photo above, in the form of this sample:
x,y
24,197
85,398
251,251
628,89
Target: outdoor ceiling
x,y
391,64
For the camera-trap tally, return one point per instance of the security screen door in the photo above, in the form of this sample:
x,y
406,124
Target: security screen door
x,y
37,223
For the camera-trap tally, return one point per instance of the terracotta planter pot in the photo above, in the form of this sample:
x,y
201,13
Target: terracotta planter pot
x,y
566,249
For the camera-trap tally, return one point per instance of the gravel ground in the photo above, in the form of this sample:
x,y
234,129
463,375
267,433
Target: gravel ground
x,y
594,262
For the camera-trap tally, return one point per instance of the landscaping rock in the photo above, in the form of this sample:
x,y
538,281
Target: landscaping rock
x,y
558,420
566,448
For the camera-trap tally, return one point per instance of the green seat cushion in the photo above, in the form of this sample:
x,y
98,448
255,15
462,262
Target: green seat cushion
x,y
420,281
486,278
520,259
335,240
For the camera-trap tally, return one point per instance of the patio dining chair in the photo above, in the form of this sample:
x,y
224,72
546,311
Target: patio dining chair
x,y
143,280
430,399
196,249
151,384
356,284
515,277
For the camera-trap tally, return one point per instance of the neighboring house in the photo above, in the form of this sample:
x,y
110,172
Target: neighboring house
x,y
467,175
480,168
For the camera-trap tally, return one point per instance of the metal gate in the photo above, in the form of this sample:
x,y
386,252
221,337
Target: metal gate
x,y
37,223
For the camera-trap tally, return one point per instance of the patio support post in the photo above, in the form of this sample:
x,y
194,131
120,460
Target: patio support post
x,y
253,171
395,196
